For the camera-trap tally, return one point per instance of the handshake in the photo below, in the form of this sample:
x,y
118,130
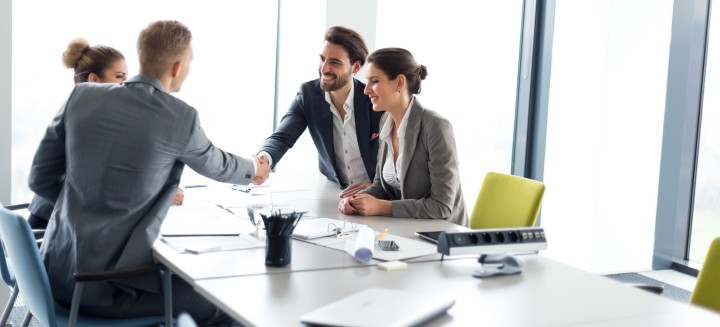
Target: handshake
x,y
262,172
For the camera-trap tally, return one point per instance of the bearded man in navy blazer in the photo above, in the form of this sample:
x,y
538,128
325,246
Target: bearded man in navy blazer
x,y
340,118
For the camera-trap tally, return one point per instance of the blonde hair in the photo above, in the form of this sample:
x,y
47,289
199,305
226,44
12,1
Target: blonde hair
x,y
161,43
85,59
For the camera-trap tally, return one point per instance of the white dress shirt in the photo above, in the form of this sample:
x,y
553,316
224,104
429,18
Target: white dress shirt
x,y
349,163
391,170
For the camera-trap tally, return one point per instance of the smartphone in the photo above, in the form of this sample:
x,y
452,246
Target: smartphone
x,y
429,236
388,246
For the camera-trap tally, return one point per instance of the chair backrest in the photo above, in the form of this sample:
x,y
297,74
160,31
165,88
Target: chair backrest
x,y
507,201
707,287
30,274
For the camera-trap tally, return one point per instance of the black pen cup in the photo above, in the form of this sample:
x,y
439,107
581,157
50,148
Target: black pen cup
x,y
278,250
279,227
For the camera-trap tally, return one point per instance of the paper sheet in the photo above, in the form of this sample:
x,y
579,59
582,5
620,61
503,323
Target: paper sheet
x,y
227,243
322,227
199,217
409,248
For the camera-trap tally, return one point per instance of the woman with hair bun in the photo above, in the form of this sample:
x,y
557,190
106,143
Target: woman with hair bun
x,y
97,64
417,169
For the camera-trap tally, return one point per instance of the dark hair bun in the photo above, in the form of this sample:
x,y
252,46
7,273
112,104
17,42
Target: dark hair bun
x,y
75,50
422,71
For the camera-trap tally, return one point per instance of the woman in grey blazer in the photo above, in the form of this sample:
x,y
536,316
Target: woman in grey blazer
x,y
417,169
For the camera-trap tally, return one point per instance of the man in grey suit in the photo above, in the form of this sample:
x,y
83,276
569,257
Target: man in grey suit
x,y
338,115
111,160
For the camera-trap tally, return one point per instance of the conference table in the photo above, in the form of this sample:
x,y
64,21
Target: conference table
x,y
546,293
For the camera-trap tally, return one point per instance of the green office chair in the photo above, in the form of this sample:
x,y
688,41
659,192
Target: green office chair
x,y
707,287
507,201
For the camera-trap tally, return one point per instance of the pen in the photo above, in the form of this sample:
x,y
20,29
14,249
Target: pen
x,y
243,189
382,235
195,186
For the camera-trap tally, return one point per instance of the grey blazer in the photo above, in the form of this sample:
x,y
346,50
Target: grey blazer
x,y
430,180
111,161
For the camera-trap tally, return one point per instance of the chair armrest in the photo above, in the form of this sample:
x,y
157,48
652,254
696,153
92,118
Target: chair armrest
x,y
39,233
116,274
14,207
80,278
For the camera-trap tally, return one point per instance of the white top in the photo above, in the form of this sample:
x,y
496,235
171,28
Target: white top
x,y
349,163
391,170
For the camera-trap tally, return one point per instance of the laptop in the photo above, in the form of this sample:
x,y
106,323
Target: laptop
x,y
380,307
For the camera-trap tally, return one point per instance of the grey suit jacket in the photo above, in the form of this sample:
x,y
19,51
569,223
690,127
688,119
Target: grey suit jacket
x,y
430,177
111,161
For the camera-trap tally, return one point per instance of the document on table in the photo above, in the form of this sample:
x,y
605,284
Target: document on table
x,y
198,217
225,243
240,196
408,248
322,227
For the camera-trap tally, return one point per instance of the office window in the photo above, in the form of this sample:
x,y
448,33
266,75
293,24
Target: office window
x,y
302,32
231,83
471,50
706,204
604,133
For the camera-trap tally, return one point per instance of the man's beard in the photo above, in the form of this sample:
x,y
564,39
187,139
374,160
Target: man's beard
x,y
340,81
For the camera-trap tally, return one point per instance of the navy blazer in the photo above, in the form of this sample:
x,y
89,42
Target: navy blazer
x,y
310,110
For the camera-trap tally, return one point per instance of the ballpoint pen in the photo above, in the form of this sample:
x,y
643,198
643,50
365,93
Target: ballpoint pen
x,y
240,188
195,186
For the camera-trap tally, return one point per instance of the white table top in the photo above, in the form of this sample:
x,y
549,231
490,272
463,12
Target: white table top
x,y
547,293
321,201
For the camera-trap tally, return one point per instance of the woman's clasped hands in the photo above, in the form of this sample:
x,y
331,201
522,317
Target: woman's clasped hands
x,y
364,204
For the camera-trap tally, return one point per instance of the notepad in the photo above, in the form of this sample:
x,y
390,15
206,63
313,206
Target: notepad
x,y
380,307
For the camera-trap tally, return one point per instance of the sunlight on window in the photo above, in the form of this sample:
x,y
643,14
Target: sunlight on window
x,y
706,210
231,83
471,50
608,81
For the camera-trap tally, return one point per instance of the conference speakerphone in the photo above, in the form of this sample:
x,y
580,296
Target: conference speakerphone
x,y
492,241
